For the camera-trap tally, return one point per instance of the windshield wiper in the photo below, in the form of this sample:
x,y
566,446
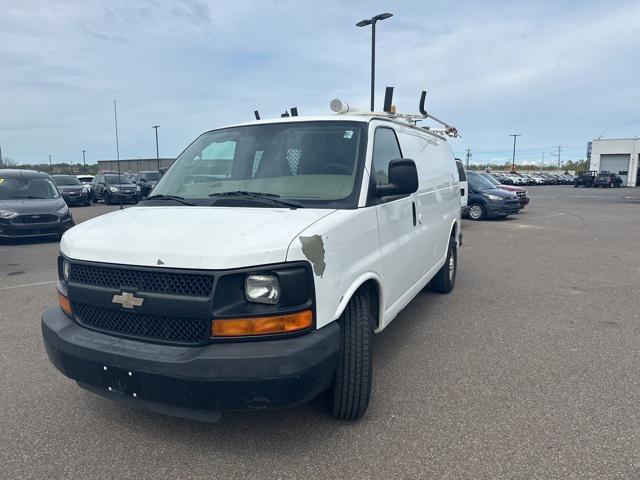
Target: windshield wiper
x,y
174,198
29,197
271,197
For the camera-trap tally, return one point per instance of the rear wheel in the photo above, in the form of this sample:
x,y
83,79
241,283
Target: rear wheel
x,y
349,395
476,211
445,279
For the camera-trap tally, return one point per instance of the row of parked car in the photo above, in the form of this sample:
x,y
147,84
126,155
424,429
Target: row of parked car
x,y
534,178
109,187
36,204
485,195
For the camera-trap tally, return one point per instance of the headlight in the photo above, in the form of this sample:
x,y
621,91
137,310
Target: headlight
x,y
494,197
262,289
7,214
137,188
64,210
66,270
85,189
113,189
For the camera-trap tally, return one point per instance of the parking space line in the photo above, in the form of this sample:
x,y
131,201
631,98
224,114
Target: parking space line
x,y
543,216
36,284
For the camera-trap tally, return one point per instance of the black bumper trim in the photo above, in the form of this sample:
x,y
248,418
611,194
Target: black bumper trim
x,y
217,377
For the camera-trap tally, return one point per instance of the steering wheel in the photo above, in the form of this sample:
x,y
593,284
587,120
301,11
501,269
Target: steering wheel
x,y
335,166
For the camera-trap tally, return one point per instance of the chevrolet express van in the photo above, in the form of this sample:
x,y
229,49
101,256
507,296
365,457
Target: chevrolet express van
x,y
258,270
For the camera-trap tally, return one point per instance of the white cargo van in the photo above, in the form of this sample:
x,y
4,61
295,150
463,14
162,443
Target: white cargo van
x,y
256,273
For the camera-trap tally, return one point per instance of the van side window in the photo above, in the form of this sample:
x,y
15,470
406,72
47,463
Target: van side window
x,y
461,173
385,149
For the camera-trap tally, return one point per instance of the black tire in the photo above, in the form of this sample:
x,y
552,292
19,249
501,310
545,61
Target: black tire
x,y
351,389
475,214
445,279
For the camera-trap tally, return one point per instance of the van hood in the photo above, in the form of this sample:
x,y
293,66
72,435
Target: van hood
x,y
189,237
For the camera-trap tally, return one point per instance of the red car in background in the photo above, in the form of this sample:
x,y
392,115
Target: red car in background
x,y
519,191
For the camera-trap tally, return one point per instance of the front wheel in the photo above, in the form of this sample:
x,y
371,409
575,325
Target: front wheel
x,y
476,211
445,279
351,390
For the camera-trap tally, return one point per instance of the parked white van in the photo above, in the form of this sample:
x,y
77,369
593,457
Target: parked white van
x,y
256,273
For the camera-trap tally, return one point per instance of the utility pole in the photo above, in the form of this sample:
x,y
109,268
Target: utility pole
x,y
1,161
468,157
50,165
84,159
115,117
513,159
155,127
559,150
542,160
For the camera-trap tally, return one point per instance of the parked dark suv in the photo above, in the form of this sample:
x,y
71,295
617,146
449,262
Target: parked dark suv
x,y
146,181
115,189
585,179
607,179
31,206
73,191
487,201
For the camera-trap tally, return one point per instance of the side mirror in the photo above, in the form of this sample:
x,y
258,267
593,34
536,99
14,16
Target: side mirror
x,y
403,178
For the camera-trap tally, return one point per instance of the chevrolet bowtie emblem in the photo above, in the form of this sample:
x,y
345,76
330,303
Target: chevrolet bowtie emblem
x,y
127,300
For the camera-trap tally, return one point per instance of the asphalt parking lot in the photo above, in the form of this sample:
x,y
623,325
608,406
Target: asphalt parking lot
x,y
529,369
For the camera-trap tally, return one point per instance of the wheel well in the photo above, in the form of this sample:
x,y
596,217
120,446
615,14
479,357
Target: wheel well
x,y
372,290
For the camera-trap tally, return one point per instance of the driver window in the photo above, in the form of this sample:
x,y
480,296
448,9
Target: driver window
x,y
385,149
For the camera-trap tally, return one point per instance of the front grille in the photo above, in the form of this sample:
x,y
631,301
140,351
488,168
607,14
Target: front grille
x,y
521,194
186,284
22,219
142,325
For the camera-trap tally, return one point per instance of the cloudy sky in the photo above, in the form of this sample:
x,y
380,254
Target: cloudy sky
x,y
559,73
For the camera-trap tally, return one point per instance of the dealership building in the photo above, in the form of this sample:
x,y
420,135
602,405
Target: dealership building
x,y
617,155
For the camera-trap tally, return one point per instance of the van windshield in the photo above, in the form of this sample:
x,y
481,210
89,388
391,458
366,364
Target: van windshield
x,y
311,163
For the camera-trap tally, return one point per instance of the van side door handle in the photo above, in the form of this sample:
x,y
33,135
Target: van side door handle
x,y
413,208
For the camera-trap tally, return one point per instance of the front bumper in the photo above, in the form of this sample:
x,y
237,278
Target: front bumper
x,y
76,199
216,377
508,207
34,230
125,197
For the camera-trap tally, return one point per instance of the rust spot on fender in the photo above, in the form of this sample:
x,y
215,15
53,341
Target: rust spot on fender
x,y
313,249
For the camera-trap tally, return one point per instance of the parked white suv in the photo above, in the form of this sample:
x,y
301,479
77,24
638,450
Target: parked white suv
x,y
256,273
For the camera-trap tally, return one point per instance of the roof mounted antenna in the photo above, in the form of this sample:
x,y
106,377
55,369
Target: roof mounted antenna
x,y
388,99
257,114
294,111
285,114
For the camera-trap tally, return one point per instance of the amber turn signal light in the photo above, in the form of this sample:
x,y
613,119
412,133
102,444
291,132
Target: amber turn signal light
x,y
65,304
240,327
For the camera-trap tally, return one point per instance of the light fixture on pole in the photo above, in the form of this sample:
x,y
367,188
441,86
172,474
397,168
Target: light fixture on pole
x,y
363,23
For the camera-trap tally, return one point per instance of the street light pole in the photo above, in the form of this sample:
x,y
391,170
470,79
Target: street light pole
x,y
155,127
363,23
513,159
84,159
50,165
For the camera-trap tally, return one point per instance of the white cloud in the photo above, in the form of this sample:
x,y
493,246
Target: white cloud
x,y
558,74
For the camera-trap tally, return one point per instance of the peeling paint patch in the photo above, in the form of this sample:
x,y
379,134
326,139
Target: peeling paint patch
x,y
313,249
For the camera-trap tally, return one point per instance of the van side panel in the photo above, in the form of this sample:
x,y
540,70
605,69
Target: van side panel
x,y
438,193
